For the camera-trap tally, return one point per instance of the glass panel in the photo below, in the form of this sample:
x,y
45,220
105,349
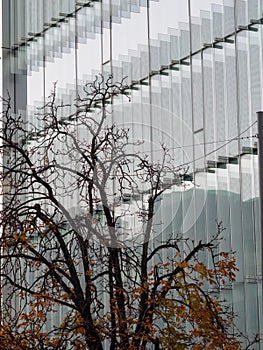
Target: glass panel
x,y
187,114
231,110
236,222
184,40
254,69
195,34
154,55
197,87
219,93
252,310
206,34
253,11
241,12
260,8
209,116
249,239
144,61
243,88
197,6
164,50
217,17
239,305
174,44
229,16
257,233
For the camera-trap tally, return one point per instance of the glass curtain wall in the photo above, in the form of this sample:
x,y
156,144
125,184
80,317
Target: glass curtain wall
x,y
195,73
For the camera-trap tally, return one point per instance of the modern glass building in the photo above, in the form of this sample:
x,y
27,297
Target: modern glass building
x,y
195,71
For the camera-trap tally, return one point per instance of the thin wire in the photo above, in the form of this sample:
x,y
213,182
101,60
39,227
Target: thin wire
x,y
225,144
239,137
208,143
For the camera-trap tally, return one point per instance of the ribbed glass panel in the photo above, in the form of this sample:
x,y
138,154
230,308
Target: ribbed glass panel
x,y
251,306
231,98
243,87
239,304
197,88
247,224
209,104
184,40
195,35
125,9
257,235
154,55
136,65
199,151
144,61
254,69
253,10
117,71
106,14
241,11
229,19
220,102
187,114
126,68
115,11
206,35
176,117
218,31
236,223
174,45
164,50
135,5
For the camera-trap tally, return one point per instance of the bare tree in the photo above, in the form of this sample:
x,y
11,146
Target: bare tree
x,y
72,276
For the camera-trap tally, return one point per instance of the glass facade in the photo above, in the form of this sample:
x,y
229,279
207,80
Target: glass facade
x,y
196,76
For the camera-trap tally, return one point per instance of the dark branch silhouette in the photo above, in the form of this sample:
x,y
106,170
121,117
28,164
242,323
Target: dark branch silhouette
x,y
72,276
